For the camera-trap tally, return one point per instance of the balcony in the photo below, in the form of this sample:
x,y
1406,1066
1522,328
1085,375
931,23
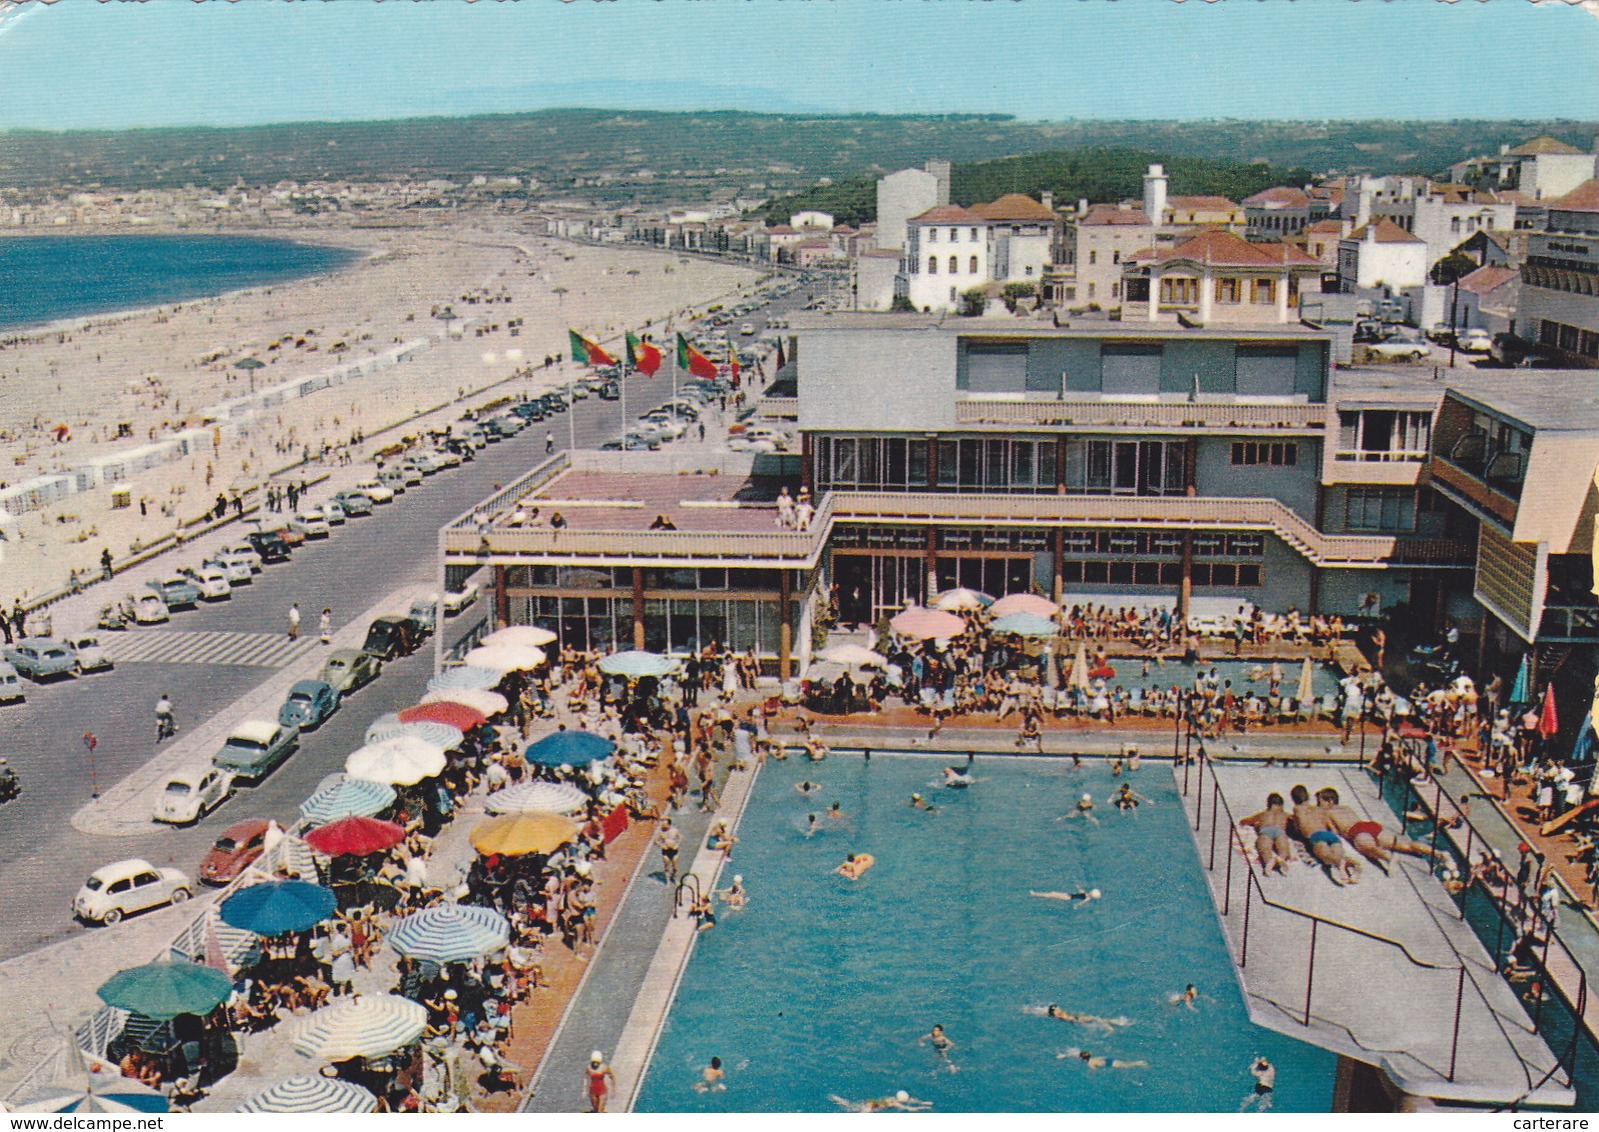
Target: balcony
x,y
1569,623
1134,415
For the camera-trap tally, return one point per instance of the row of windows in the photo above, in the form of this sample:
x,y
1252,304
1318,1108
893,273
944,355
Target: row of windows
x,y
1572,339
1277,453
954,235
1162,544
1181,290
1384,434
954,265
1556,279
676,625
1228,575
1114,467
621,578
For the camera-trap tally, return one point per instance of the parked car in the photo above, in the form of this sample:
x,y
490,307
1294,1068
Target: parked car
x,y
389,637
629,443
1475,341
412,473
269,545
240,844
190,794
427,463
348,669
376,490
457,600
11,690
309,703
610,391
124,887
333,513
92,657
531,410
255,749
506,427
235,570
1399,349
311,524
292,537
393,479
149,609
651,439
462,449
39,657
211,581
244,553
177,591
424,611
668,426
354,503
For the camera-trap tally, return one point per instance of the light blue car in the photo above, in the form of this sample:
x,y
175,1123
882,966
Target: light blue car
x,y
39,657
309,703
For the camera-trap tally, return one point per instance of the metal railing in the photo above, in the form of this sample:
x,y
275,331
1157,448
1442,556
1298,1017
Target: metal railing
x,y
1254,893
507,496
1110,413
1382,456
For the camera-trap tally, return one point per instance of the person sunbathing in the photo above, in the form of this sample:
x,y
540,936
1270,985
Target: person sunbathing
x,y
1321,838
855,864
1272,845
1368,837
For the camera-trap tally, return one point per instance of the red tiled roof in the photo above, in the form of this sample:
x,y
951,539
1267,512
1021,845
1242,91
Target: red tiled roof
x,y
1583,198
947,214
1486,279
1013,206
780,230
1222,248
1197,204
1284,195
881,253
1113,214
1386,231
1543,143
1326,226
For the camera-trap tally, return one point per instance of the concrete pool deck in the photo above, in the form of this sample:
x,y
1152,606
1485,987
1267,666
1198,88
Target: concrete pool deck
x,y
1373,971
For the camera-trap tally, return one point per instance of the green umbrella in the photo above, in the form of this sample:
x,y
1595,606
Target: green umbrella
x,y
164,990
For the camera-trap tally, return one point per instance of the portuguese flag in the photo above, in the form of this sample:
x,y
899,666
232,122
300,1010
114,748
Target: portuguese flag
x,y
692,360
643,356
589,352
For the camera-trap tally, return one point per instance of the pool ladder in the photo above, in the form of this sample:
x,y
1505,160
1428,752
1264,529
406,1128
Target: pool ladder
x,y
685,884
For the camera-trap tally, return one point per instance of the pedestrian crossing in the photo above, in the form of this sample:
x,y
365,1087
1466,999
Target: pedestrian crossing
x,y
168,646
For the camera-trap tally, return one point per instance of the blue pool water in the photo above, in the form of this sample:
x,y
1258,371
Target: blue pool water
x,y
45,278
1247,675
822,986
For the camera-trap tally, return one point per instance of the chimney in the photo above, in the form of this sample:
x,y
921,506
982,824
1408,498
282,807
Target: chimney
x,y
1504,149
1082,206
1047,199
1155,194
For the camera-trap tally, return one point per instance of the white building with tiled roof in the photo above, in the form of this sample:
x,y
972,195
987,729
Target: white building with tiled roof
x,y
950,250
1380,253
1093,246
1542,168
1218,276
1559,307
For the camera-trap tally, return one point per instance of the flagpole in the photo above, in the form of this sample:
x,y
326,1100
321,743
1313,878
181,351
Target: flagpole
x,y
571,415
623,386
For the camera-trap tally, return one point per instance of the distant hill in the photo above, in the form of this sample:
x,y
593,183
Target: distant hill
x,y
1092,174
641,156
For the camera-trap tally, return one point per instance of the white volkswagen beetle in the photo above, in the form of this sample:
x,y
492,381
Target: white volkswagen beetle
x,y
128,886
190,794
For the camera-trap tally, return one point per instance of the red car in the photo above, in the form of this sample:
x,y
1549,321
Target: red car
x,y
239,844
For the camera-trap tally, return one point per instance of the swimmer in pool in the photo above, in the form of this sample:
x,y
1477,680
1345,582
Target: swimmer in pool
x,y
835,813
917,802
711,1078
1093,1061
810,825
807,787
734,895
957,780
941,1046
1126,798
1265,1075
1078,899
1189,996
1116,767
1104,1025
900,1101
855,864
1085,810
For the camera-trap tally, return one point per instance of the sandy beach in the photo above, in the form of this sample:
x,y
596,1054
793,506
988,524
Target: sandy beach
x,y
156,370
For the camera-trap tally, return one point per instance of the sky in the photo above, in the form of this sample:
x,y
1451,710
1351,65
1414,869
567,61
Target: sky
x,y
83,64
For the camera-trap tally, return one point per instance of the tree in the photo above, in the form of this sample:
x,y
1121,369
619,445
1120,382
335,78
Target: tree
x,y
902,303
1015,291
973,301
1455,265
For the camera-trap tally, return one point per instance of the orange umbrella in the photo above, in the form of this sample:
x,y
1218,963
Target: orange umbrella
x,y
458,716
1548,722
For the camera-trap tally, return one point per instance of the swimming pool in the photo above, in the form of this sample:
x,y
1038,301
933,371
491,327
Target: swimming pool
x,y
1247,675
823,986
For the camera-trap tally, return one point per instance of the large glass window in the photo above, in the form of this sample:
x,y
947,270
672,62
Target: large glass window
x,y
1383,434
1380,509
1125,467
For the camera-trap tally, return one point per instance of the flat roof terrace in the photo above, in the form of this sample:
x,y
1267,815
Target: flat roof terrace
x,y
1385,971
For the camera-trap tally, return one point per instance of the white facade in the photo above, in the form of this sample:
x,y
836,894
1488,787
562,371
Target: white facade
x,y
1380,254
905,194
946,253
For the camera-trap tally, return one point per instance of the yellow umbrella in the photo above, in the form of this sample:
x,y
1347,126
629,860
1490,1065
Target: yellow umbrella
x,y
516,834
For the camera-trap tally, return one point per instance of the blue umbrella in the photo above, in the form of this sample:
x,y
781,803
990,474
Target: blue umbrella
x,y
346,798
569,748
278,906
1519,692
93,1092
1024,625
465,676
634,664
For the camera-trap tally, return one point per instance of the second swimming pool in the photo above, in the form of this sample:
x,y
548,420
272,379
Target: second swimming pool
x,y
822,987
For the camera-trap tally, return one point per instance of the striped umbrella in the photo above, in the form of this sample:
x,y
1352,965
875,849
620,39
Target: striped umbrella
x,y
489,703
362,1026
465,676
1023,603
450,933
458,716
93,1092
311,1093
1023,625
402,761
635,663
343,797
530,635
537,797
389,727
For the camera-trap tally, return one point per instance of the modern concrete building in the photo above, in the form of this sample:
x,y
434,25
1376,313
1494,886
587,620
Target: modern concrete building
x,y
1560,280
908,193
